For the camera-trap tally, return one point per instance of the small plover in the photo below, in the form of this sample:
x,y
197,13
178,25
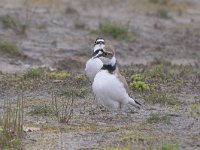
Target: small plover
x,y
109,86
94,64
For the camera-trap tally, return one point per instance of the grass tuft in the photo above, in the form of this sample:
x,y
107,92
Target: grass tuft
x,y
166,147
194,109
42,110
161,2
138,85
12,124
34,73
158,118
10,47
163,13
57,75
8,21
82,92
161,98
115,30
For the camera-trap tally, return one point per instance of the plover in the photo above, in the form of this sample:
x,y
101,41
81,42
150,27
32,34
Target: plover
x,y
109,86
93,65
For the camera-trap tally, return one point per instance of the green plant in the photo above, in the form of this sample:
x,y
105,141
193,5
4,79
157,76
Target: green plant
x,y
159,72
75,91
64,110
10,48
194,108
161,98
6,21
137,77
10,22
139,85
34,73
42,110
166,147
115,148
163,13
12,124
115,30
158,118
58,75
162,2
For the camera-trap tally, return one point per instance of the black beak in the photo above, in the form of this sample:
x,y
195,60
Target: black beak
x,y
96,52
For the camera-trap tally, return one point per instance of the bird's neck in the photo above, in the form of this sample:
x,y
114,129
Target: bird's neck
x,y
98,46
111,67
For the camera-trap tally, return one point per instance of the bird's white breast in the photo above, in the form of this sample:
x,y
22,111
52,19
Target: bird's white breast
x,y
93,66
109,90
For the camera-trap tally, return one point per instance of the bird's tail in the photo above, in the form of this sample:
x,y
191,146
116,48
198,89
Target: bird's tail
x,y
134,103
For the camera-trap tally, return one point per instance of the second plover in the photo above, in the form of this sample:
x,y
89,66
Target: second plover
x,y
94,64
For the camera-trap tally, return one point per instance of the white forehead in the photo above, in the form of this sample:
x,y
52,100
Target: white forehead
x,y
100,40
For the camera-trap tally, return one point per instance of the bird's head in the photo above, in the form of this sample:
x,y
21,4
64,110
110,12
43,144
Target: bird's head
x,y
106,54
99,44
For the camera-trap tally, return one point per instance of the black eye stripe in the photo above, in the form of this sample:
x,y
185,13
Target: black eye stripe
x,y
97,51
99,42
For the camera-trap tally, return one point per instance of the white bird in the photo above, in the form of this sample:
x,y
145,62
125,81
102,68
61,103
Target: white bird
x,y
109,86
93,65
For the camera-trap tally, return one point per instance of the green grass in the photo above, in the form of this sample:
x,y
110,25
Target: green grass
x,y
12,124
194,109
82,92
163,13
10,47
158,118
6,21
43,110
166,147
159,72
58,75
158,97
13,23
161,2
34,73
138,84
115,30
116,148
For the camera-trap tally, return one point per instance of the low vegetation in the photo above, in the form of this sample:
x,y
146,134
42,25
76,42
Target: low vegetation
x,y
161,2
158,118
137,84
43,110
57,75
194,109
158,97
10,47
115,30
166,147
13,23
163,13
12,124
34,73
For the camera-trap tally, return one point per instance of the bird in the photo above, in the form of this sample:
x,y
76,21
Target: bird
x,y
109,86
93,65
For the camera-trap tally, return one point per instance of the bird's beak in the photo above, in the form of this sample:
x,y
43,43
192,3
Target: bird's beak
x,y
98,54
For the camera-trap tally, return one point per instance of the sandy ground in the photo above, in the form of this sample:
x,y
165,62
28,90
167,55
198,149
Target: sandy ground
x,y
53,40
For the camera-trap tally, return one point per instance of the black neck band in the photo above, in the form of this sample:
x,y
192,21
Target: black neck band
x,y
109,67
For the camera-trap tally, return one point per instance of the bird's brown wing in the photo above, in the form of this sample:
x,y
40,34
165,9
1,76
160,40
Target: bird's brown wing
x,y
123,80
